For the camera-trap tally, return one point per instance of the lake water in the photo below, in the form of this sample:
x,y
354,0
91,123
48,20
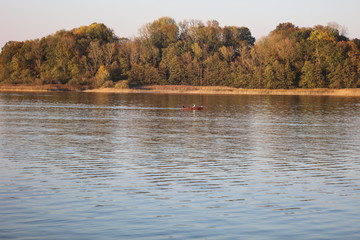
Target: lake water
x,y
135,166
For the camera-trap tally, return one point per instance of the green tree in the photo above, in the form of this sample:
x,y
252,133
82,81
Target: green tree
x,y
209,37
217,72
95,32
237,37
161,33
312,76
101,76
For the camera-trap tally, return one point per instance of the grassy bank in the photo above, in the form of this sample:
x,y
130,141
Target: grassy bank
x,y
171,89
180,89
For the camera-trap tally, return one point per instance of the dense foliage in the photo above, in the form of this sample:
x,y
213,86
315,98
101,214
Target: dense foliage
x,y
187,53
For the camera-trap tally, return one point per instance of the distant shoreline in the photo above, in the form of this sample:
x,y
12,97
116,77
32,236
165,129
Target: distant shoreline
x,y
40,88
181,89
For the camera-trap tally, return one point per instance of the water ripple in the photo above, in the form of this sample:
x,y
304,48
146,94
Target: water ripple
x,y
86,166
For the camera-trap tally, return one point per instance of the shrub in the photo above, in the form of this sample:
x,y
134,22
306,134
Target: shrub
x,y
122,84
108,84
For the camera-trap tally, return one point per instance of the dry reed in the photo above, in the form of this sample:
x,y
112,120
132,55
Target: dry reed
x,y
173,89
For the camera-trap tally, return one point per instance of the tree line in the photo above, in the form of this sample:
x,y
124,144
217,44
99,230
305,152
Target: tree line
x,y
187,53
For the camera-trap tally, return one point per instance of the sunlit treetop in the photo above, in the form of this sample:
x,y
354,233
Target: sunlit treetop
x,y
96,31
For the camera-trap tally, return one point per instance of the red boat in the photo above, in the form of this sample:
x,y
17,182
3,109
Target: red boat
x,y
192,108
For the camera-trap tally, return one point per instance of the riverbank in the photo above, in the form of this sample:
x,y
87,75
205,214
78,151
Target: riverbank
x,y
171,89
180,89
40,88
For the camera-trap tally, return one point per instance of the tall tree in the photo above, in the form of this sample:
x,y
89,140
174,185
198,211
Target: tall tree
x,y
161,33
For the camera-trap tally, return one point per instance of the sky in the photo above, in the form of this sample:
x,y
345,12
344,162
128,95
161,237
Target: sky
x,y
22,20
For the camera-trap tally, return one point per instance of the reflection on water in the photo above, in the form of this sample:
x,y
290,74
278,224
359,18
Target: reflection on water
x,y
132,166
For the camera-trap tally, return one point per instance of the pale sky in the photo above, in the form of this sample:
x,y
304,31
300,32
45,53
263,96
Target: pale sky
x,y
29,19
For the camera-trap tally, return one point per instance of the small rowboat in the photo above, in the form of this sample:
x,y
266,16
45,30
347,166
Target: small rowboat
x,y
193,108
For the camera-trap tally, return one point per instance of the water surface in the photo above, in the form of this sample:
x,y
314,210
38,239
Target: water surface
x,y
135,166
